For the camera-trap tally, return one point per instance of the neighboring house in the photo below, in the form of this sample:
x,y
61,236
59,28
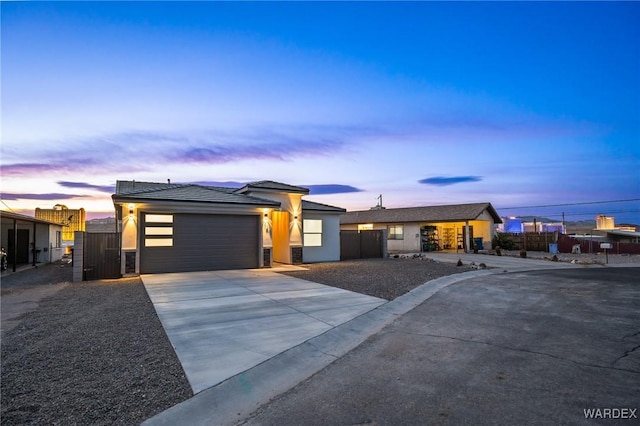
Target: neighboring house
x,y
184,227
429,228
30,240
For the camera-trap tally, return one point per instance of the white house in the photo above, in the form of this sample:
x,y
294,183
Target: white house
x,y
169,227
428,228
30,240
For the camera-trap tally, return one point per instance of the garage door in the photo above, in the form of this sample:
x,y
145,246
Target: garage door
x,y
197,242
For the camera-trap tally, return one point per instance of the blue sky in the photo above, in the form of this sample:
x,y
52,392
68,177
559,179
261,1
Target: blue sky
x,y
519,104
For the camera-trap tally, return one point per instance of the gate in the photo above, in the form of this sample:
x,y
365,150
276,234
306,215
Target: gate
x,y
101,256
361,244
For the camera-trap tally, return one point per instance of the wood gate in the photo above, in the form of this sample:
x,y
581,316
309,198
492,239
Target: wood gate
x,y
101,256
361,244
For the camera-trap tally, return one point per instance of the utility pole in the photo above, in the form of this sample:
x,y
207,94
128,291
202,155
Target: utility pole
x,y
564,227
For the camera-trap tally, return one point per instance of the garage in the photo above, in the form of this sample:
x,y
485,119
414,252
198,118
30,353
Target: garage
x,y
198,242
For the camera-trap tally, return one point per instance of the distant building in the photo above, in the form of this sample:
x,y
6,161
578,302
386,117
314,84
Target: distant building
x,y
605,222
511,224
71,219
516,225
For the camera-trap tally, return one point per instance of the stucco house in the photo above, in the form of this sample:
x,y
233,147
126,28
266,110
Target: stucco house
x,y
169,227
429,228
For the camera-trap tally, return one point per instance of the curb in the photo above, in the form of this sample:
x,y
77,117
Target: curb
x,y
233,400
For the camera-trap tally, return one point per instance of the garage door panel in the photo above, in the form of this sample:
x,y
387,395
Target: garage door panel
x,y
206,242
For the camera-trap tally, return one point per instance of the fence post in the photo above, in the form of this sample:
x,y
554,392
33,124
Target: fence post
x,y
78,256
385,250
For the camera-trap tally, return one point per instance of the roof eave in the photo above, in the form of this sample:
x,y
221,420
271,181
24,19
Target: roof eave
x,y
132,199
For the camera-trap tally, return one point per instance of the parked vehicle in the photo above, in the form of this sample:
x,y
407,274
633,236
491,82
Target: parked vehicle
x,y
3,259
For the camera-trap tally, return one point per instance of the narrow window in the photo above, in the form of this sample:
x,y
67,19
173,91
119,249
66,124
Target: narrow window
x,y
158,242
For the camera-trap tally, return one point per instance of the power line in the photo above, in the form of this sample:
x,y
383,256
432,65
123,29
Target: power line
x,y
568,204
1,200
551,215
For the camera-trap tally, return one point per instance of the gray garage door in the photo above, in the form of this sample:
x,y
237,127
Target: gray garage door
x,y
197,242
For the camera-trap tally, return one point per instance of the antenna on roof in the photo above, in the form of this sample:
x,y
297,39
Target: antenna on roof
x,y
379,205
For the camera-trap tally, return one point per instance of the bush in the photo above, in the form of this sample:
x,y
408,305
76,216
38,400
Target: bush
x,y
504,241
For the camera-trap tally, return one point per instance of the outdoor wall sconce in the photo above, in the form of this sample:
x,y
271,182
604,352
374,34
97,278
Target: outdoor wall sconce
x,y
295,217
130,210
266,215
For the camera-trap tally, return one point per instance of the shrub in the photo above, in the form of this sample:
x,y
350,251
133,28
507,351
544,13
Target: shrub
x,y
504,241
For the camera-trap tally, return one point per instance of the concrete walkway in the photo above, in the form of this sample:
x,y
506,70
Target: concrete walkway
x,y
222,323
506,263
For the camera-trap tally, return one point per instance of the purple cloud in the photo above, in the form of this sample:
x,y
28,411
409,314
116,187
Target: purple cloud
x,y
102,188
49,196
445,181
27,168
280,149
331,189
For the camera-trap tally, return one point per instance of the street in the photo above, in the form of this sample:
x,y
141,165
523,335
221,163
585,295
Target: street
x,y
518,348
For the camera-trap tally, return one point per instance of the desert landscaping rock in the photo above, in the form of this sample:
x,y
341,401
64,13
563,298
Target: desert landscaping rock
x,y
384,278
93,353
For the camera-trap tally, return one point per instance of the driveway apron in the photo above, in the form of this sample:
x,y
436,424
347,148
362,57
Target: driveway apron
x,y
222,323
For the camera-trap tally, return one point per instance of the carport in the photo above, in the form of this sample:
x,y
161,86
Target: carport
x,y
30,240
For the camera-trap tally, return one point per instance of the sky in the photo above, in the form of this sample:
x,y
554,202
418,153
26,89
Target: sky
x,y
520,104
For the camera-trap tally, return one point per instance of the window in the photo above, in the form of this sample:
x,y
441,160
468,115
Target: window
x,y
58,239
395,232
158,230
159,218
158,242
312,232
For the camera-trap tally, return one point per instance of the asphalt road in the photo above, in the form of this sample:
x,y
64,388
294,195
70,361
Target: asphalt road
x,y
518,348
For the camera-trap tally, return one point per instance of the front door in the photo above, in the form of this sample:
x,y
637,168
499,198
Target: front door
x,y
281,249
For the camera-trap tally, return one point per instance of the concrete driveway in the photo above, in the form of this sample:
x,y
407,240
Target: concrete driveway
x,y
222,323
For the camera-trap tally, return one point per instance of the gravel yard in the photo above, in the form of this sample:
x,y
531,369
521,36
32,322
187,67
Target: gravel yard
x,y
384,278
93,353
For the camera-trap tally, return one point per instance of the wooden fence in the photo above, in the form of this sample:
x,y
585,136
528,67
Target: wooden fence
x,y
361,244
566,243
534,241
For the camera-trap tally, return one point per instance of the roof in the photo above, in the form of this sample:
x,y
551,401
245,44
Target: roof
x,y
131,190
269,184
310,205
623,233
448,213
11,215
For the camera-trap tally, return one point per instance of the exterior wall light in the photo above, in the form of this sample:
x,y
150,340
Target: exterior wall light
x,y
130,210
